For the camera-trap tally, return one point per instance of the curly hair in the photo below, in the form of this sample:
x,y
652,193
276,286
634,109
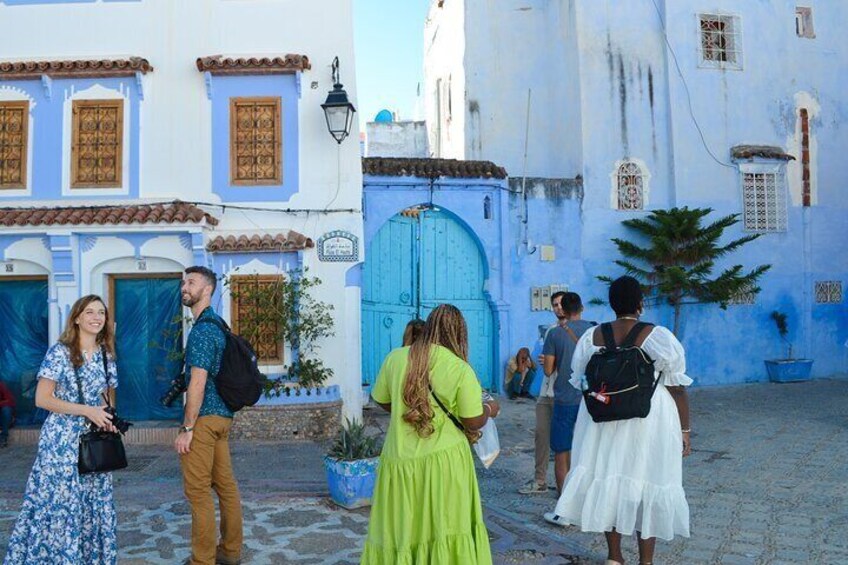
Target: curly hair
x,y
445,326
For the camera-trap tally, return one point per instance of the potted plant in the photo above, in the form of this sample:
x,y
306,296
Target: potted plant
x,y
351,466
789,369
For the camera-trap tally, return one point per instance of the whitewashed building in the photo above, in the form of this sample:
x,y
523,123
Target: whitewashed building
x,y
138,138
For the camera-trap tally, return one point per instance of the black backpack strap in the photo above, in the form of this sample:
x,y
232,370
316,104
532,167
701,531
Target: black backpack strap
x,y
633,334
609,336
447,412
220,324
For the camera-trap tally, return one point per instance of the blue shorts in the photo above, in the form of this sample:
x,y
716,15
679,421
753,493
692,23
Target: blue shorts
x,y
562,427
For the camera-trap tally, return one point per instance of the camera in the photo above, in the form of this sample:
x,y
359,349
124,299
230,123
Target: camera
x,y
178,386
122,425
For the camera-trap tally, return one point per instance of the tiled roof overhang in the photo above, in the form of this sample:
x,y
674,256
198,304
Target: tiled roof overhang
x,y
261,65
78,68
761,151
170,213
431,168
290,241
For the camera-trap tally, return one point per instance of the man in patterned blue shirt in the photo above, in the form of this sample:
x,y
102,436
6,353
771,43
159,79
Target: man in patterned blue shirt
x,y
203,439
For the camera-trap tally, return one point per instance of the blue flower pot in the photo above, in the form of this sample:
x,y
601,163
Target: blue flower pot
x,y
789,370
351,483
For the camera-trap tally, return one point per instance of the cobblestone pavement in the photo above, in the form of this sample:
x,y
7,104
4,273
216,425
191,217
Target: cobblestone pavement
x,y
767,484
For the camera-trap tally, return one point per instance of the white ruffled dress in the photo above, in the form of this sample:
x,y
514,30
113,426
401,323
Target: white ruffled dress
x,y
628,474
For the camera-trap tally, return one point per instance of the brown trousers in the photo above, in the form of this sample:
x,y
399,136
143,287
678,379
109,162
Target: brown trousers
x,y
544,413
206,467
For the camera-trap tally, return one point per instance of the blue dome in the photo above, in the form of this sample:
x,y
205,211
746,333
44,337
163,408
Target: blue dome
x,y
384,117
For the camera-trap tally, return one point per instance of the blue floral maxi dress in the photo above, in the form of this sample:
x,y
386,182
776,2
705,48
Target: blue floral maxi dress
x,y
66,518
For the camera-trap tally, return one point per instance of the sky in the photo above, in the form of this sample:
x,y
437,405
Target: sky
x,y
389,43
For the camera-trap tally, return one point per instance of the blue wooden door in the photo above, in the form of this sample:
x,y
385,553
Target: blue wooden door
x,y
415,264
389,292
148,342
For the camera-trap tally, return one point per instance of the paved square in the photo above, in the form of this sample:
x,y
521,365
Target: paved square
x,y
767,484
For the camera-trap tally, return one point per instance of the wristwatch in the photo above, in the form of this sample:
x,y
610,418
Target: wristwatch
x,y
185,429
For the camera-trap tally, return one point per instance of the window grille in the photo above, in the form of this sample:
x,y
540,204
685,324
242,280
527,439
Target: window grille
x,y
804,22
254,313
14,131
630,187
764,202
97,143
256,147
721,42
829,292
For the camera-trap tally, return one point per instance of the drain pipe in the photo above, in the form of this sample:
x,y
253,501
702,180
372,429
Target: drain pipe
x,y
526,213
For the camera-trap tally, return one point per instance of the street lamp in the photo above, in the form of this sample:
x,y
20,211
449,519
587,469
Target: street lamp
x,y
337,109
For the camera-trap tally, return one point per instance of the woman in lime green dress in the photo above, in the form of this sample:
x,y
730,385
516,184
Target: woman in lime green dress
x,y
426,501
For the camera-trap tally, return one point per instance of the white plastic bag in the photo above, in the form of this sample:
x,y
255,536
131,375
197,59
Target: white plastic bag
x,y
488,447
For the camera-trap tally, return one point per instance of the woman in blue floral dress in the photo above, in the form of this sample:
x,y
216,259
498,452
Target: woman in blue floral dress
x,y
68,518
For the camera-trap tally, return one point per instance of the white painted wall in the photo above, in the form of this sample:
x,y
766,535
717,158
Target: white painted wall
x,y
445,91
397,139
504,49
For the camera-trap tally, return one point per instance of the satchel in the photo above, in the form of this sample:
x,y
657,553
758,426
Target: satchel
x,y
99,451
620,380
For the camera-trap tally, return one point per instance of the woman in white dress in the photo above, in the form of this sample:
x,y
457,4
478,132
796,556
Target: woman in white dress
x,y
627,475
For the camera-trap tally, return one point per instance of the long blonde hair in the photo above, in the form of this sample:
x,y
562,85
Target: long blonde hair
x,y
445,326
71,336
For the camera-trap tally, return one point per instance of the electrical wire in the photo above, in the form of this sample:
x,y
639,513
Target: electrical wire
x,y
688,93
223,207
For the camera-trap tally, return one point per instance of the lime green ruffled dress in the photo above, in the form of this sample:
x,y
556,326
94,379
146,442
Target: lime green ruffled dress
x,y
426,504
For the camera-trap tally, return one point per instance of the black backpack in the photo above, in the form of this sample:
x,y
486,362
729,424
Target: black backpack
x,y
239,382
620,379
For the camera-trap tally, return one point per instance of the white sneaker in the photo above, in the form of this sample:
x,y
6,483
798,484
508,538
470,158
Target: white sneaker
x,y
552,518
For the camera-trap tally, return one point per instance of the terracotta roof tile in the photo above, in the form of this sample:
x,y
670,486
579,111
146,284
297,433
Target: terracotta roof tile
x,y
94,68
220,65
431,168
171,213
291,241
762,151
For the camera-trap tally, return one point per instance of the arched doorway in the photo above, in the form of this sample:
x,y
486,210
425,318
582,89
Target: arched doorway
x,y
417,260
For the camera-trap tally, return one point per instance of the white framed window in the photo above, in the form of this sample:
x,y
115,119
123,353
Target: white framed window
x,y
629,185
720,45
828,292
804,22
764,198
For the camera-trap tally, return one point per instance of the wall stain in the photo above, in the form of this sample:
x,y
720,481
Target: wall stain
x,y
622,98
555,190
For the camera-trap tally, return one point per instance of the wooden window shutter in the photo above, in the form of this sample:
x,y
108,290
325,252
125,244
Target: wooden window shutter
x,y
14,139
97,143
252,312
256,143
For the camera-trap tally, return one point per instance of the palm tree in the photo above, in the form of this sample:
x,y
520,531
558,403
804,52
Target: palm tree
x,y
676,267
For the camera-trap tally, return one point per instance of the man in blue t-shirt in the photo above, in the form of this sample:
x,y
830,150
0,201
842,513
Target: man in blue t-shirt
x,y
203,439
558,351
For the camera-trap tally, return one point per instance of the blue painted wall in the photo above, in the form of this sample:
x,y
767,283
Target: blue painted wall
x,y
47,129
225,87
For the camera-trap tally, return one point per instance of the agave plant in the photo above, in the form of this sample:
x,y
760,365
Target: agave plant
x,y
353,443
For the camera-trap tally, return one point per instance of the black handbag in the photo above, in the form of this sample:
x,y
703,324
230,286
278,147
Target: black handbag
x,y
100,451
